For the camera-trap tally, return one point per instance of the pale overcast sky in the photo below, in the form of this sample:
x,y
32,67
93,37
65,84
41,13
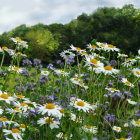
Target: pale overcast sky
x,y
30,12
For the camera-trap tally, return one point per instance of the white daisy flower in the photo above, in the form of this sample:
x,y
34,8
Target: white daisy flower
x,y
91,129
4,48
20,97
50,109
110,47
60,72
46,73
81,84
112,90
97,69
122,55
101,45
126,125
136,123
66,54
92,47
62,113
83,53
81,105
131,102
75,119
9,51
22,127
5,121
14,68
136,72
129,62
90,60
117,129
24,44
22,106
20,42
108,70
77,49
64,136
16,40
16,133
47,120
16,54
126,82
14,110
75,80
5,97
96,55
79,75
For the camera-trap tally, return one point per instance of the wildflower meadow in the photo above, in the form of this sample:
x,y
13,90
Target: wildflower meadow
x,y
89,94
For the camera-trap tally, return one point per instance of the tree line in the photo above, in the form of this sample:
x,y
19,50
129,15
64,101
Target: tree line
x,y
117,26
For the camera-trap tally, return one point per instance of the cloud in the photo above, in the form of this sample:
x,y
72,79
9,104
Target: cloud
x,y
16,12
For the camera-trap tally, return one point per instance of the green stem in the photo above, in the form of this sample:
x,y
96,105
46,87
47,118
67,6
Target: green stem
x,y
2,60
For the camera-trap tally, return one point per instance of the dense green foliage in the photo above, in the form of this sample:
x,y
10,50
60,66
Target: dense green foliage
x,y
118,26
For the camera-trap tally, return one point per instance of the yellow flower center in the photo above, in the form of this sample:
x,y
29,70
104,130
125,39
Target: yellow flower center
x,y
94,61
20,96
122,139
77,119
97,54
137,122
85,53
4,48
24,104
76,79
16,68
17,109
18,39
45,72
127,83
102,45
89,127
15,130
117,128
3,119
137,72
65,135
113,89
81,84
49,120
50,106
111,46
95,66
22,125
109,68
80,103
128,59
78,49
18,53
4,96
93,47
62,72
62,111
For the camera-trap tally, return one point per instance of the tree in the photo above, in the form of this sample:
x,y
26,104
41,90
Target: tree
x,y
42,43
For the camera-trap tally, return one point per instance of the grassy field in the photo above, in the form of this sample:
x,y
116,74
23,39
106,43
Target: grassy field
x,y
94,96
